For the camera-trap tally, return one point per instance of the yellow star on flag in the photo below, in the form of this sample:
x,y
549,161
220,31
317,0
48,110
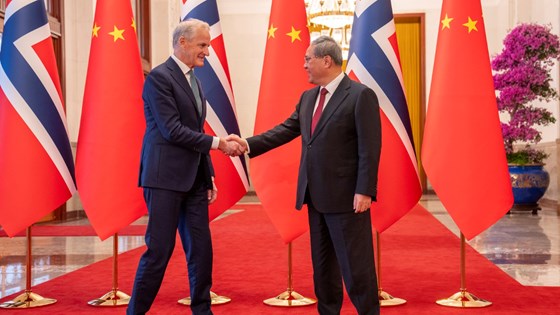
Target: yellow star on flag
x,y
445,23
294,34
117,34
271,31
95,30
471,25
133,25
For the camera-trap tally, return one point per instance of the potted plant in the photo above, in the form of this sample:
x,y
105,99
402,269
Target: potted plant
x,y
522,78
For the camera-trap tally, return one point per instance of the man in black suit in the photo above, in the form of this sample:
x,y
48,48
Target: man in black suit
x,y
176,171
340,133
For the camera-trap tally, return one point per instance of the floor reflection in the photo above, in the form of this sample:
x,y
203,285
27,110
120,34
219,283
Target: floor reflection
x,y
53,257
525,246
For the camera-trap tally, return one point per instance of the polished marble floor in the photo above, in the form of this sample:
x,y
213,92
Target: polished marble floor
x,y
525,246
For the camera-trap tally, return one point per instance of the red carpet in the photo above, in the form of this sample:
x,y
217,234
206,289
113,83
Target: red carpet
x,y
420,264
75,230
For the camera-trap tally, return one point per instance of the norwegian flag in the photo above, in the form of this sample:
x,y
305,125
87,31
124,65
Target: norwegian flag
x,y
374,61
221,120
35,155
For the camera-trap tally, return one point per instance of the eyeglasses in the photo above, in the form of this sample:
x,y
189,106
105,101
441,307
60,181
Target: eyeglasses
x,y
307,59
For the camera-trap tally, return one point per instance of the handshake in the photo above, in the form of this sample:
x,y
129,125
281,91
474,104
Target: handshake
x,y
233,145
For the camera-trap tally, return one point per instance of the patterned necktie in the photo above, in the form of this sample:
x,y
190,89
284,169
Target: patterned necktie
x,y
319,109
194,87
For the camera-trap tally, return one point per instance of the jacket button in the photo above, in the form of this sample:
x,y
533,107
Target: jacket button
x,y
309,146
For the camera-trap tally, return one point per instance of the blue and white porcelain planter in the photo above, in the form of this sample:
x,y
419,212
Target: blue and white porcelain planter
x,y
529,183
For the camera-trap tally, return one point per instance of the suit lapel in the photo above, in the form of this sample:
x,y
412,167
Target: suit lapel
x,y
181,80
335,101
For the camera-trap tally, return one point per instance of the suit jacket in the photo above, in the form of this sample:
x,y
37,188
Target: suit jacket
x,y
174,144
341,158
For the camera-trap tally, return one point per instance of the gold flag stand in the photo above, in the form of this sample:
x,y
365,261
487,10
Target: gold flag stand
x,y
463,298
385,299
28,299
113,297
289,298
215,299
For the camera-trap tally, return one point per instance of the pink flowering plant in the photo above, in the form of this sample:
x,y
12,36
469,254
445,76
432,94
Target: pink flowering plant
x,y
522,76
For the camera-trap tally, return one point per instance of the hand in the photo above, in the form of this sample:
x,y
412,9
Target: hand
x,y
230,148
361,203
242,142
212,193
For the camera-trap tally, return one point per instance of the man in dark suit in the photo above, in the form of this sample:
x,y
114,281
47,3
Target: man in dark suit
x,y
176,172
340,132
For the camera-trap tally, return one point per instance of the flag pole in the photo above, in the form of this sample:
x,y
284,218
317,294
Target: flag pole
x,y
385,299
289,298
113,297
28,299
463,298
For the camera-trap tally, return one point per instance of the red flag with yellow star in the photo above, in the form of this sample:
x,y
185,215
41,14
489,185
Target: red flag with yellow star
x,y
112,123
274,174
463,152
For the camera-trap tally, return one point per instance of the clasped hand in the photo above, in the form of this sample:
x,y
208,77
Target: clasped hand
x,y
233,145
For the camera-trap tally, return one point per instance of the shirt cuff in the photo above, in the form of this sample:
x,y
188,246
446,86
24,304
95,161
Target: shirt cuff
x,y
248,148
215,143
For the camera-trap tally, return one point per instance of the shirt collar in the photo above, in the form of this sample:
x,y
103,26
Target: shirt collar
x,y
181,64
331,87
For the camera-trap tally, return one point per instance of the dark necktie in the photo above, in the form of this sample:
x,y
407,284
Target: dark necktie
x,y
319,109
194,87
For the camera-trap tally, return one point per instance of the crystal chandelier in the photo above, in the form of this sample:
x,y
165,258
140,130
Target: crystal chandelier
x,y
330,13
333,18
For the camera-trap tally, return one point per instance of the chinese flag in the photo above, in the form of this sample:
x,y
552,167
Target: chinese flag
x,y
463,152
274,174
112,124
